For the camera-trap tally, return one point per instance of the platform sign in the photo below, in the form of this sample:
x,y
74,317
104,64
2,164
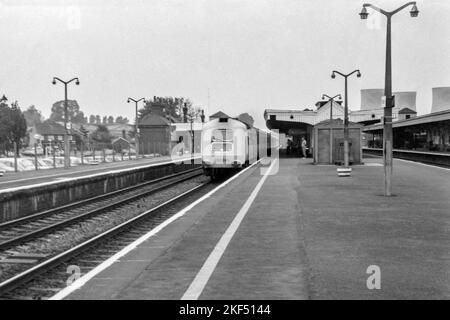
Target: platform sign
x,y
383,102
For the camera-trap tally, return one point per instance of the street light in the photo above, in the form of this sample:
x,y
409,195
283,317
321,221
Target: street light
x,y
136,134
66,131
331,99
345,76
387,131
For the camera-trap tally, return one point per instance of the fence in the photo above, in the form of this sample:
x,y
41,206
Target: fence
x,y
51,155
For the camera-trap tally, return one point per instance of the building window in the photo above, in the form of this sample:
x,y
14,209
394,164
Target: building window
x,y
273,117
408,116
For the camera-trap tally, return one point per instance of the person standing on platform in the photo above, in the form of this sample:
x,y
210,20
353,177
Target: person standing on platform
x,y
304,147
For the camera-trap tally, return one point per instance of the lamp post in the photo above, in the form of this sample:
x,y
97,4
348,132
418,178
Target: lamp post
x,y
389,99
136,134
331,99
66,129
345,76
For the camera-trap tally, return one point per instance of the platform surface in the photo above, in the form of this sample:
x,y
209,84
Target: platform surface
x,y
307,235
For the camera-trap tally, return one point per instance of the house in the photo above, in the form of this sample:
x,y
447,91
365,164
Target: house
x,y
47,132
120,144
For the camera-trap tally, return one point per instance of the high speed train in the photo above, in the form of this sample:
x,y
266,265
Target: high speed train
x,y
228,143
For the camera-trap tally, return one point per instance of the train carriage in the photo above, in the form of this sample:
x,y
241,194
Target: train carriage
x,y
228,143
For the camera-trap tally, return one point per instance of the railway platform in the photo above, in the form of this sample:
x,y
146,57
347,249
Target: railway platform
x,y
33,177
301,233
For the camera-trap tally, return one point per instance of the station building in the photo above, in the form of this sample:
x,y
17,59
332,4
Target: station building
x,y
159,132
428,132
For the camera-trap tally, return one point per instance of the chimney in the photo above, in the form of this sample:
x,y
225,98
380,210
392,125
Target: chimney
x,y
203,116
185,110
124,135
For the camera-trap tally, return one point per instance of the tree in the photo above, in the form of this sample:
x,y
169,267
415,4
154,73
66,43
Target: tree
x,y
246,118
74,113
105,120
13,125
101,135
33,116
122,120
110,120
174,106
98,119
84,131
91,119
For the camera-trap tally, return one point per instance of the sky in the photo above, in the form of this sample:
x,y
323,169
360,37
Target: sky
x,y
231,55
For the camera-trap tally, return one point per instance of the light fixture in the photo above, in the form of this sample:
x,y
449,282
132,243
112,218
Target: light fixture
x,y
414,11
363,14
358,74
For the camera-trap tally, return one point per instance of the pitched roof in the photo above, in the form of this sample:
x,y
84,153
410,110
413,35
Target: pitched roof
x,y
219,114
406,110
119,139
153,120
50,128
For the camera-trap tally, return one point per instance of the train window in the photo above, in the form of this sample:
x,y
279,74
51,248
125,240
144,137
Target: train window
x,y
222,147
222,135
273,117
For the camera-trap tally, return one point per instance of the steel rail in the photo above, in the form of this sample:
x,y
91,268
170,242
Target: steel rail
x,y
35,216
72,220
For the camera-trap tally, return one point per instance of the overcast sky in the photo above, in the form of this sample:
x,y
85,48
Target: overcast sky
x,y
251,54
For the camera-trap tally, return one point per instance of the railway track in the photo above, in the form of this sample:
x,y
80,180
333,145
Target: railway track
x,y
29,234
18,231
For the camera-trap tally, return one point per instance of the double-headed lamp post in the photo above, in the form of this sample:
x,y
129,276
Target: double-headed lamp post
x,y
331,99
136,134
345,76
389,99
66,129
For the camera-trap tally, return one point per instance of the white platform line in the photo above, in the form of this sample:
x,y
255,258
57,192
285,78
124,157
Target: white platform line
x,y
201,279
88,276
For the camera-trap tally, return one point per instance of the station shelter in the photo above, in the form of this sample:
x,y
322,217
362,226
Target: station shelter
x,y
329,142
